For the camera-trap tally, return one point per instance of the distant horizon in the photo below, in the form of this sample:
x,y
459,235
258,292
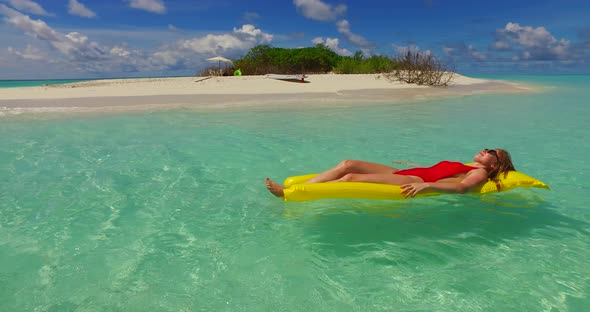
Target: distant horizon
x,y
93,78
164,38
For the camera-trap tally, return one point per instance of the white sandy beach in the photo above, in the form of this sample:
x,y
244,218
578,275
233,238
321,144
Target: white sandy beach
x,y
212,92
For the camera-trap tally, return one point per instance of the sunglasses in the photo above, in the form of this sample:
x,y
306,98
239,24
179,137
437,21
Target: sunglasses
x,y
493,152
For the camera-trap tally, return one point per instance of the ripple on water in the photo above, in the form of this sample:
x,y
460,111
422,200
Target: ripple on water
x,y
169,210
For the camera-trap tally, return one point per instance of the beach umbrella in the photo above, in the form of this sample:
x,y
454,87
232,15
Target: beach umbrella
x,y
220,59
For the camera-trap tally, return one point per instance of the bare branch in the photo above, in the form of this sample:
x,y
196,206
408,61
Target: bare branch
x,y
422,69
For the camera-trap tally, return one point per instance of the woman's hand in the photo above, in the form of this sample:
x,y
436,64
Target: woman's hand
x,y
411,189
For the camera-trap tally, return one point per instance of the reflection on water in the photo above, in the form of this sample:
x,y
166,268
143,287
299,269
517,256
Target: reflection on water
x,y
492,218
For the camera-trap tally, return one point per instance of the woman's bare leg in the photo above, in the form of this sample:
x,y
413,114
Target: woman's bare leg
x,y
351,166
347,169
382,178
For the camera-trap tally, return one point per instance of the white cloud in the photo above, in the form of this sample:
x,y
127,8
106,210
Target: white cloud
x,y
23,22
213,44
74,46
79,9
534,43
251,31
333,44
528,36
344,28
76,52
499,45
154,6
318,10
240,39
168,59
188,53
120,51
72,52
29,53
28,6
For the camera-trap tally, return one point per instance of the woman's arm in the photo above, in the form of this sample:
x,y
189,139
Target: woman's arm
x,y
471,180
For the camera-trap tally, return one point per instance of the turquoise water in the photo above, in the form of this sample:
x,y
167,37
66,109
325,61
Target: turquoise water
x,y
35,83
167,211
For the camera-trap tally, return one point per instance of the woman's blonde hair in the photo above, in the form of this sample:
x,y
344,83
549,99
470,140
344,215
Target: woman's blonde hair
x,y
504,164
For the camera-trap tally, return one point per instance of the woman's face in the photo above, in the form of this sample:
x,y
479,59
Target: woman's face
x,y
488,157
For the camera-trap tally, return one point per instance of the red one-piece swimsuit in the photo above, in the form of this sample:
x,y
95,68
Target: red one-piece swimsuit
x,y
443,169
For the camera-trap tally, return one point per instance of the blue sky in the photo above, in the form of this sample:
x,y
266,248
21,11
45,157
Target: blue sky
x,y
43,39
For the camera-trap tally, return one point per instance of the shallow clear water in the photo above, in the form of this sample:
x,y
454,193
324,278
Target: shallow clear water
x,y
168,211
35,83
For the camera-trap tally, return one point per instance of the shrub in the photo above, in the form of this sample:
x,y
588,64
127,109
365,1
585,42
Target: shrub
x,y
357,64
412,67
264,59
422,69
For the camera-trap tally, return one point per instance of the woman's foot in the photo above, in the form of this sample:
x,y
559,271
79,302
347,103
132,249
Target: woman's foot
x,y
275,188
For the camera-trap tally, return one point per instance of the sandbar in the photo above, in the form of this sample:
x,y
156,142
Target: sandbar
x,y
140,94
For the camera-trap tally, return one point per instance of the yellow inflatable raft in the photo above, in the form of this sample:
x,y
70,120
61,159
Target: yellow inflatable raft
x,y
297,191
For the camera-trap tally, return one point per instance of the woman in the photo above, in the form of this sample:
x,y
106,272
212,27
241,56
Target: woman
x,y
444,177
